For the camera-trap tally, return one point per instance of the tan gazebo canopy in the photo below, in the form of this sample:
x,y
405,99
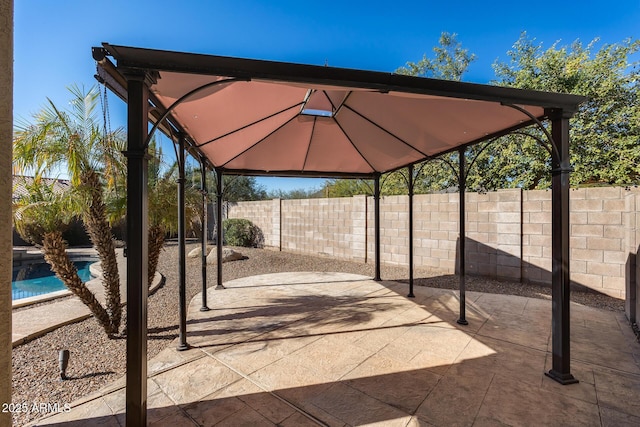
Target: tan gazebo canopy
x,y
265,117
243,116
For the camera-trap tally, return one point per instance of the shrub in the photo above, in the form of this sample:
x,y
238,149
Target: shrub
x,y
242,232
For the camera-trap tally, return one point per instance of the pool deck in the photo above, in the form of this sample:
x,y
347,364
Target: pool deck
x,y
308,349
30,323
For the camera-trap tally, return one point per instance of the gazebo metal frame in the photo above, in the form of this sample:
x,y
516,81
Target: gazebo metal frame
x,y
135,77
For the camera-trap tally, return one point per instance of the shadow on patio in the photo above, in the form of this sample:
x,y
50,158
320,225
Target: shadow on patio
x,y
298,349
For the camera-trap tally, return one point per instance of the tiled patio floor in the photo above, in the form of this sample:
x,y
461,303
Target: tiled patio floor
x,y
298,349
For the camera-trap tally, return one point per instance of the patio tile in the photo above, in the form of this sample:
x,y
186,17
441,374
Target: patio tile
x,y
517,329
592,316
302,398
487,355
252,356
437,338
110,388
379,337
238,396
299,420
171,357
331,359
195,380
417,422
584,390
455,400
211,411
434,362
340,319
117,400
538,307
404,389
495,303
613,418
400,349
95,412
287,373
476,321
599,353
220,334
354,352
269,406
356,408
509,402
376,365
446,305
160,407
177,418
619,391
244,417
411,314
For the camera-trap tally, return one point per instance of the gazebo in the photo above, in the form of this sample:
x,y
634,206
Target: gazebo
x,y
255,117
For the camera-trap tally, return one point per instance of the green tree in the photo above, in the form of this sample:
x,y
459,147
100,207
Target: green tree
x,y
41,209
297,193
347,187
450,60
163,203
242,188
74,139
237,188
40,217
605,132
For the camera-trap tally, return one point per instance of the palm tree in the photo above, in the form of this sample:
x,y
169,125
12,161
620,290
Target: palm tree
x,y
41,216
163,206
93,159
75,140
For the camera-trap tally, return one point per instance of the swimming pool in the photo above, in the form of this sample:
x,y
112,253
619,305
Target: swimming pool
x,y
37,279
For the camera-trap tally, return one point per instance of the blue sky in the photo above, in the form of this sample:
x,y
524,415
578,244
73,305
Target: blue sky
x,y
53,39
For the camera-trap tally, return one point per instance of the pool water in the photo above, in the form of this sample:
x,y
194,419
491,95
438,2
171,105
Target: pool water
x,y
37,279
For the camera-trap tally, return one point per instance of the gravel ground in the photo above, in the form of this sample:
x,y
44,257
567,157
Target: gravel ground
x,y
97,360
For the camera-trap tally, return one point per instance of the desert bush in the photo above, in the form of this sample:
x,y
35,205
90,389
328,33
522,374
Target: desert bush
x,y
242,232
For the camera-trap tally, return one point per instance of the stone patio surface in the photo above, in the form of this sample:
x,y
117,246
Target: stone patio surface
x,y
306,349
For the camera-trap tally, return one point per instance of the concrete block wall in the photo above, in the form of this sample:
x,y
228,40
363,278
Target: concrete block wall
x,y
435,230
598,239
632,249
333,227
508,232
394,230
636,250
635,229
536,236
265,214
494,234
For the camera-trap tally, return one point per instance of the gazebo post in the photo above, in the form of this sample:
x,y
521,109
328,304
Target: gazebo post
x,y
203,240
182,288
137,247
560,250
376,203
462,188
219,238
410,185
